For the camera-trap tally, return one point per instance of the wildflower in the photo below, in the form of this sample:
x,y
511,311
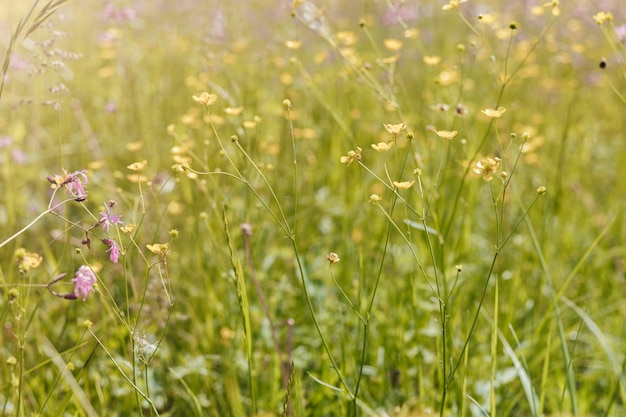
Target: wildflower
x,y
113,251
84,281
602,17
541,190
73,182
137,166
431,60
352,155
446,134
395,129
205,98
107,219
159,248
453,4
620,32
382,146
460,110
486,167
333,258
26,260
128,228
375,199
404,185
493,113
554,4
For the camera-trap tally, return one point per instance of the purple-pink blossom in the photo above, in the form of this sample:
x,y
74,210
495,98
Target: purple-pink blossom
x,y
107,218
113,251
73,182
84,281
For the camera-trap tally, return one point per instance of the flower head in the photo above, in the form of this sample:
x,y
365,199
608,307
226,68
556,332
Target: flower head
x,y
453,4
205,98
446,134
486,168
333,258
84,281
494,113
382,146
554,5
395,129
602,17
113,251
73,182
352,156
375,199
26,260
107,219
403,185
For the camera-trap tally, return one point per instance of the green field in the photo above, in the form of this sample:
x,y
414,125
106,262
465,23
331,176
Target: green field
x,y
319,208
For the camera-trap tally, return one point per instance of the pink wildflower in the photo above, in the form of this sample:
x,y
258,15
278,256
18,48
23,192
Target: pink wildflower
x,y
83,282
73,182
107,219
113,251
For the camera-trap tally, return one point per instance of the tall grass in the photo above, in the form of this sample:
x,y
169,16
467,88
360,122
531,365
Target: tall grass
x,y
317,208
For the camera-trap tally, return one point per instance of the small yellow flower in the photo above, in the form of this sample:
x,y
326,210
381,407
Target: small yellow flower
x,y
382,146
453,4
541,190
375,198
446,134
395,129
404,185
233,111
602,17
431,60
333,258
291,44
159,248
554,4
486,168
128,228
87,324
137,166
27,260
393,44
205,98
352,156
493,113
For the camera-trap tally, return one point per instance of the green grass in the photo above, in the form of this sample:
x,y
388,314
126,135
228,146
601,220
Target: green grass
x,y
478,275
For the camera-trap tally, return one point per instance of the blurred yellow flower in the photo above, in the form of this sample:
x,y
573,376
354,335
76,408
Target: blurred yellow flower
x,y
454,4
293,44
554,4
404,185
333,258
137,166
382,146
375,198
486,168
158,248
205,98
27,260
395,129
233,111
393,44
602,17
446,134
352,156
493,113
432,60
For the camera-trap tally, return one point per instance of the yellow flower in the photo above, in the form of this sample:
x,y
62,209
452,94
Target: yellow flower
x,y
137,166
205,98
26,260
382,146
158,248
404,185
233,111
454,4
446,134
431,60
393,44
554,4
493,113
291,44
486,167
333,258
352,155
603,17
375,198
395,129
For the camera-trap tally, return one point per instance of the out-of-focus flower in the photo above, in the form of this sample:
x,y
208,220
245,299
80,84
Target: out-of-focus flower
x,y
403,185
446,134
395,129
159,248
494,113
620,32
27,260
137,166
486,168
333,258
554,5
107,218
205,98
453,4
352,156
382,146
113,251
73,182
602,17
84,281
375,199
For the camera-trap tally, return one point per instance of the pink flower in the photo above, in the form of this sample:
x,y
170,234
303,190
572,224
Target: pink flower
x,y
113,251
83,282
107,219
73,182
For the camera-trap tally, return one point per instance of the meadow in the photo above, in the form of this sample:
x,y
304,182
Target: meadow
x,y
312,208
